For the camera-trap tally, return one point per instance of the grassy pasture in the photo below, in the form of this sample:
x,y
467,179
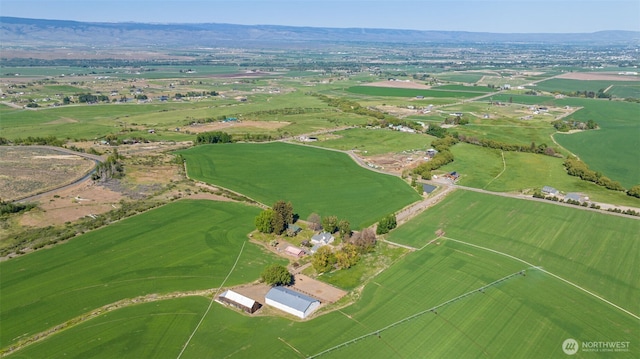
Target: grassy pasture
x,y
401,92
466,77
378,141
314,180
479,168
186,245
598,251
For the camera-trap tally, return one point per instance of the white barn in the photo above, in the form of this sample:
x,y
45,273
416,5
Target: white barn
x,y
291,301
239,301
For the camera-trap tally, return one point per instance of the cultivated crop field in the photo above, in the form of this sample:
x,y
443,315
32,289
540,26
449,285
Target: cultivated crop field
x,y
314,180
518,316
183,246
401,92
581,246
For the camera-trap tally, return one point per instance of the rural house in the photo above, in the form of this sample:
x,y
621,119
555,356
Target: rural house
x,y
549,190
292,302
322,239
239,301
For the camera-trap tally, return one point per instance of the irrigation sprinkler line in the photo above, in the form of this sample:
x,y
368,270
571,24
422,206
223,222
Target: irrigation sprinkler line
x,y
401,321
549,273
184,347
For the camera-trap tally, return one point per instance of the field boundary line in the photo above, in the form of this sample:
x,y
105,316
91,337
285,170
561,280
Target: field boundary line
x,y
504,168
418,314
549,273
211,302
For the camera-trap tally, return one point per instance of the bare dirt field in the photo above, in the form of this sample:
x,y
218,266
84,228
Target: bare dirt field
x,y
395,163
604,76
25,170
398,84
70,204
216,126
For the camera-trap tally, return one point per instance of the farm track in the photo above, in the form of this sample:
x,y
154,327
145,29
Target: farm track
x,y
97,159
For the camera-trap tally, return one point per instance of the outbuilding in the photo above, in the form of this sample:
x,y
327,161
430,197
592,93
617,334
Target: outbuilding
x,y
292,302
239,301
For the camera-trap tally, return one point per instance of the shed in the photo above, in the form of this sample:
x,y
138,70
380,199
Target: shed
x,y
427,188
239,301
292,302
293,229
549,190
294,251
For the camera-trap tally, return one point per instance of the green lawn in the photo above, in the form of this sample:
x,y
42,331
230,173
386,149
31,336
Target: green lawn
x,y
185,245
314,180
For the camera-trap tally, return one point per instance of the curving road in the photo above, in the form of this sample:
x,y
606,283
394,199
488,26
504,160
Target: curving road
x,y
97,159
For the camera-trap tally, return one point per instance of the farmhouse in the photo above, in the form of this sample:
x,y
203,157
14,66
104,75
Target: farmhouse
x,y
549,190
292,302
294,251
239,301
322,239
573,197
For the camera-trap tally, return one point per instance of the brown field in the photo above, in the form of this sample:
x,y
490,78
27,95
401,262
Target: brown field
x,y
604,76
26,171
216,126
398,84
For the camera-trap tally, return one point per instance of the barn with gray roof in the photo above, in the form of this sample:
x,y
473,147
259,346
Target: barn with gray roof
x,y
292,302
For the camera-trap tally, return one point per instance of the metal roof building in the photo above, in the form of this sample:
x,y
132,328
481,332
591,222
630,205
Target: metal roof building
x,y
239,301
291,301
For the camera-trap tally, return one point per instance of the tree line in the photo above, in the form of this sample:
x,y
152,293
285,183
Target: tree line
x,y
577,168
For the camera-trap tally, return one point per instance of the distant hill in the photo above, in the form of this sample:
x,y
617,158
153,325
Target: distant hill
x,y
37,32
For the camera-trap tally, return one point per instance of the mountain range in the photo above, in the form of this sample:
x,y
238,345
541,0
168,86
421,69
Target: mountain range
x,y
38,32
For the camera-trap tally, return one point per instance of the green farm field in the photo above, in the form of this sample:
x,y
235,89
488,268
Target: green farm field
x,y
401,92
314,180
594,250
484,168
374,142
566,85
610,149
522,316
182,246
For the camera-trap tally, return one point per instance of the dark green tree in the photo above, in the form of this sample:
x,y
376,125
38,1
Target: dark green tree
x,y
283,216
276,274
265,221
323,259
330,224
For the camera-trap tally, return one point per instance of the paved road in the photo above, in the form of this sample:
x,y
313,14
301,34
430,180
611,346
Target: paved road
x,y
97,159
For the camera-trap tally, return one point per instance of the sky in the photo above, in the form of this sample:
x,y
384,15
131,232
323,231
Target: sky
x,y
499,16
